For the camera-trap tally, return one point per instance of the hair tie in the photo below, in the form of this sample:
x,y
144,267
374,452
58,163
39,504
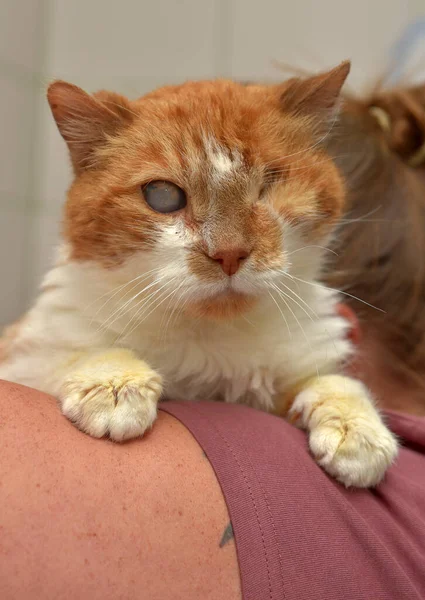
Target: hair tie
x,y
382,117
384,121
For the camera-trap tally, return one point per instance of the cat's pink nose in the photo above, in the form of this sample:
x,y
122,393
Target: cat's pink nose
x,y
230,260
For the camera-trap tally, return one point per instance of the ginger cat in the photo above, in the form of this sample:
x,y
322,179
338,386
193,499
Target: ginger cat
x,y
194,237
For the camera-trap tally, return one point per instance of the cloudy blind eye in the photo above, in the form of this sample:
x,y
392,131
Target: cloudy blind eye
x,y
164,196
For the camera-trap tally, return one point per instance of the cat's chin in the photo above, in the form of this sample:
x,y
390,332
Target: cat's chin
x,y
223,306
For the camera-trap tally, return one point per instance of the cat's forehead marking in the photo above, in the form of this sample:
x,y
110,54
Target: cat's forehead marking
x,y
223,162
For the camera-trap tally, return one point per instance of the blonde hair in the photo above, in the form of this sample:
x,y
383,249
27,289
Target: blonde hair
x,y
380,148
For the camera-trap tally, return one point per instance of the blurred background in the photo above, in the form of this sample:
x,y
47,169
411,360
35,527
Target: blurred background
x,y
132,46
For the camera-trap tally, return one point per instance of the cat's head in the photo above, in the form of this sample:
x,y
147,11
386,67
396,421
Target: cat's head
x,y
210,185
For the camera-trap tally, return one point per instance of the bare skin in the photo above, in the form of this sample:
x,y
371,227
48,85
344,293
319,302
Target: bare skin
x,y
87,519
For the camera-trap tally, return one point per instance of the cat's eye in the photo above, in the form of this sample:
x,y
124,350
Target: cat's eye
x,y
164,196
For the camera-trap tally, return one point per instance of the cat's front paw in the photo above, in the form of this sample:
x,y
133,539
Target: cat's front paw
x,y
357,456
346,434
111,400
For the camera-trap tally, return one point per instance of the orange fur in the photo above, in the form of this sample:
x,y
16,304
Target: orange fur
x,y
223,307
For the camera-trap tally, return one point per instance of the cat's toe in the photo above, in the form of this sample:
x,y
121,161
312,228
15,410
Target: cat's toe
x,y
135,411
355,456
122,409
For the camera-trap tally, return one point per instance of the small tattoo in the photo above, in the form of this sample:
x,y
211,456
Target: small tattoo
x,y
227,535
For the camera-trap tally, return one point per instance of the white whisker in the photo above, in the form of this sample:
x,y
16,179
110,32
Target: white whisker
x,y
282,313
296,302
309,307
298,322
151,311
121,310
324,287
145,305
320,247
115,291
167,324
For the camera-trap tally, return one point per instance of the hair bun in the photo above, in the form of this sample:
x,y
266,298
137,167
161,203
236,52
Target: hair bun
x,y
401,116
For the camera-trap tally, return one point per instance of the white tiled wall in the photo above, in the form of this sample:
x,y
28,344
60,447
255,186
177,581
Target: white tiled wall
x,y
21,24
132,46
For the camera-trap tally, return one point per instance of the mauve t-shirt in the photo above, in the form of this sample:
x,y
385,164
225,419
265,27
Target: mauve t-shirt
x,y
299,534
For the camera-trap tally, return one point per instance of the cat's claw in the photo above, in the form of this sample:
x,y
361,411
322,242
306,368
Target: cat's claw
x,y
122,405
346,434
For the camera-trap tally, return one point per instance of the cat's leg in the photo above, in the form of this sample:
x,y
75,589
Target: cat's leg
x,y
346,433
109,392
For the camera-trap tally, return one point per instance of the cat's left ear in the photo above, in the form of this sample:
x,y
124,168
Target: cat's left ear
x,y
87,121
317,96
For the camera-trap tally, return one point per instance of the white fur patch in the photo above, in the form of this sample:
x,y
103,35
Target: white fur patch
x,y
223,162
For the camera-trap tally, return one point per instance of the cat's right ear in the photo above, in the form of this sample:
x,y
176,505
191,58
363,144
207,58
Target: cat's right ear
x,y
84,121
316,97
